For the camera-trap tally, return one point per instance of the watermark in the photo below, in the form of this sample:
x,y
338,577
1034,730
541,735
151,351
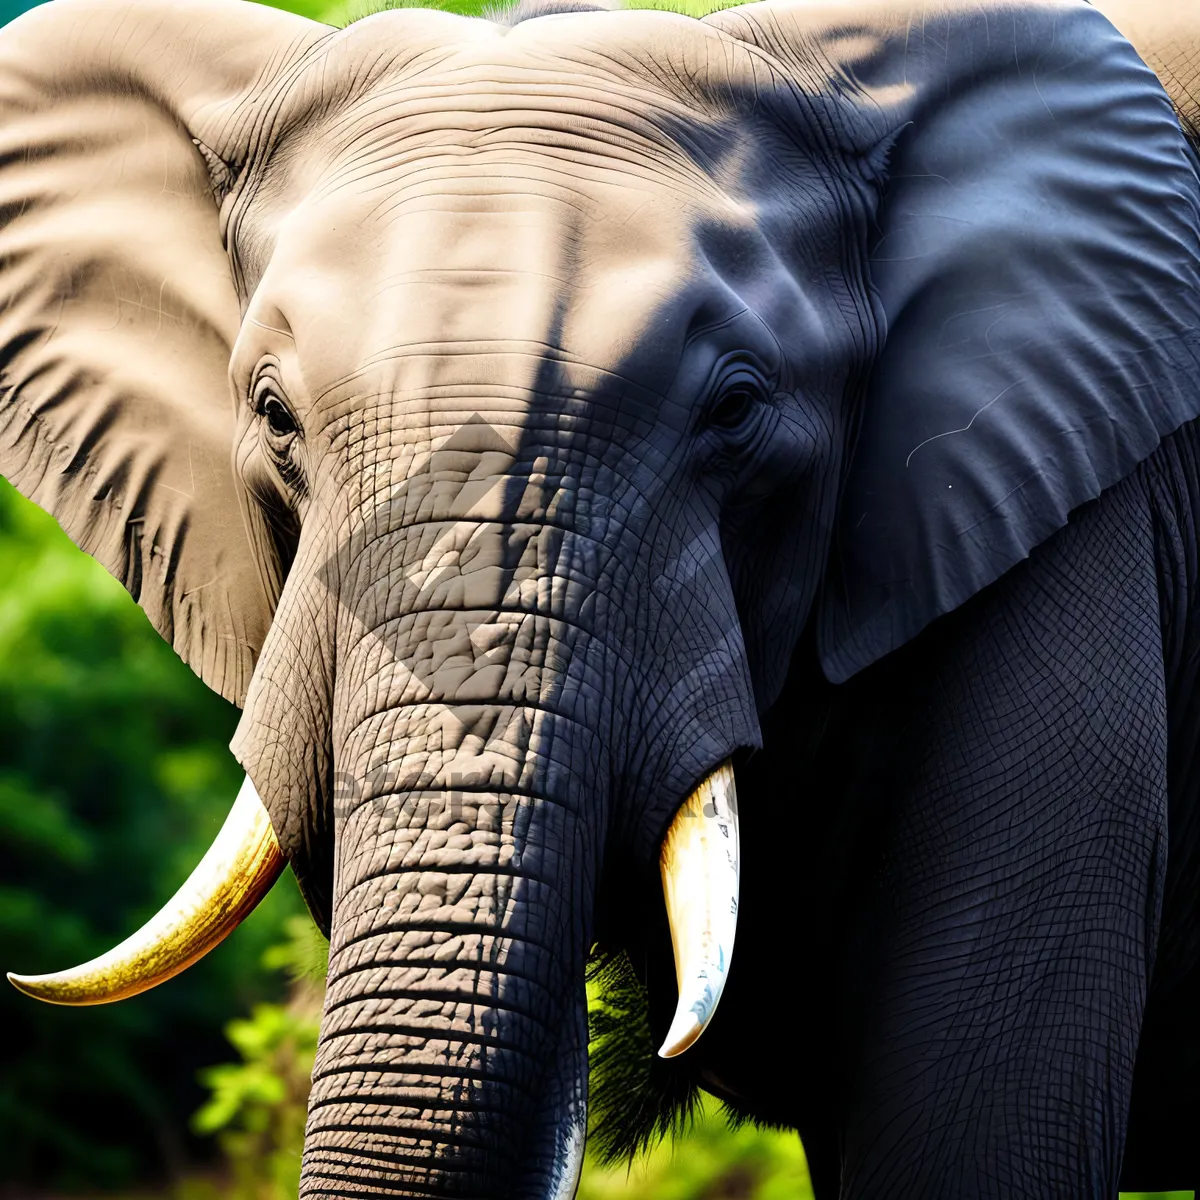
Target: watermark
x,y
508,605
465,797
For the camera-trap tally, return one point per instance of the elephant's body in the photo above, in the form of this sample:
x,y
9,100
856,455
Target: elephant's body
x,y
495,411
977,1017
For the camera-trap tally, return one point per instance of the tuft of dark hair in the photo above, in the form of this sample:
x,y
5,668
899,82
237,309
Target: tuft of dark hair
x,y
636,1098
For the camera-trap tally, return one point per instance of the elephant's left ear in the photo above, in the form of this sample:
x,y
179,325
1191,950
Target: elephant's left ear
x,y
1037,262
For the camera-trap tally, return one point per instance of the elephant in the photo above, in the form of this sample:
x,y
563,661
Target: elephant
x,y
647,479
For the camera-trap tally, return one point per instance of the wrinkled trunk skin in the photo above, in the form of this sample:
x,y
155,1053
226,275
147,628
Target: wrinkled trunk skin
x,y
453,1049
468,808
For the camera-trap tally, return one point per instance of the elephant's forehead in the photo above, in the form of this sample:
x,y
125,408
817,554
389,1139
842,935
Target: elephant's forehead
x,y
480,286
596,96
533,124
525,193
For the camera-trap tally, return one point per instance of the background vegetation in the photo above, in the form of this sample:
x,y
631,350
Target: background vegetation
x,y
114,777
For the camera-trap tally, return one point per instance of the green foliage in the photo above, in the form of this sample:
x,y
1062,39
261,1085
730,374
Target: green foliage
x,y
257,1107
707,1161
114,777
303,956
247,1095
348,11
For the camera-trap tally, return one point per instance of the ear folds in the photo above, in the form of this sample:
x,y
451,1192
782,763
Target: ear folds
x,y
1037,261
1166,33
117,309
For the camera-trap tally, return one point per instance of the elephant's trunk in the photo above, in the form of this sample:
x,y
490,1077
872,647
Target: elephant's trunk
x,y
453,1047
466,684
471,798
484,635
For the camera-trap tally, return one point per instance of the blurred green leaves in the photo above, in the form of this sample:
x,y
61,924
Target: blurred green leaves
x,y
257,1106
709,1161
272,1042
114,777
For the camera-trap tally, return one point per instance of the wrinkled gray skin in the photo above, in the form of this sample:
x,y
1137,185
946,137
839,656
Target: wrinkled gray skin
x,y
520,608
543,394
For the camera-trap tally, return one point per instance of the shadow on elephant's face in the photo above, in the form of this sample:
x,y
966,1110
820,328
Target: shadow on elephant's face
x,y
547,347
518,389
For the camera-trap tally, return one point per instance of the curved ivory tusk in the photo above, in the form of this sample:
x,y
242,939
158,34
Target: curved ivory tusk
x,y
235,874
699,862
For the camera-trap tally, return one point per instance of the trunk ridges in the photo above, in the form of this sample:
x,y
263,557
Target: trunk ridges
x,y
494,664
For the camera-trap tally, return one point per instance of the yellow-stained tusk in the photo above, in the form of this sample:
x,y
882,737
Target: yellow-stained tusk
x,y
700,874
235,874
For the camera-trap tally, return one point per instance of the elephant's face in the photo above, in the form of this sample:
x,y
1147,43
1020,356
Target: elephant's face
x,y
548,347
515,377
612,289
473,376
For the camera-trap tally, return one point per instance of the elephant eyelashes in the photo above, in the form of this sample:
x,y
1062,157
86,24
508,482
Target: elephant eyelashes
x,y
280,431
737,397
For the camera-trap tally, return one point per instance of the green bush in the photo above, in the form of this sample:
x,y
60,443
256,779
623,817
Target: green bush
x,y
257,1107
710,1161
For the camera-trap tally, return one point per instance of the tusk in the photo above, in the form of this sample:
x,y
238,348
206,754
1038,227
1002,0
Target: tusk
x,y
700,871
568,1165
235,874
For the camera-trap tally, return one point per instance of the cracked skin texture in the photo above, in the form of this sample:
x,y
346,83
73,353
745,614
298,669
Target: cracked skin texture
x,y
472,404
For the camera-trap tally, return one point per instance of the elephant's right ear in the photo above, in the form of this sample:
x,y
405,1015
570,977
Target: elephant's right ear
x,y
123,126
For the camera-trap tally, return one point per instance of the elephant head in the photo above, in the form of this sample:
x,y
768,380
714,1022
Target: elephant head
x,y
489,407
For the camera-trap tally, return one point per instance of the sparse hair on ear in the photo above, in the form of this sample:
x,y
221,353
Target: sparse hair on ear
x,y
509,14
525,10
501,12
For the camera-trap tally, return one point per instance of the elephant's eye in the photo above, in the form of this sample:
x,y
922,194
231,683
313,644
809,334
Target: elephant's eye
x,y
734,406
281,425
280,422
738,391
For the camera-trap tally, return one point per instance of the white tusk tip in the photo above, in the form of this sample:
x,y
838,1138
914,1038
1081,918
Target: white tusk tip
x,y
699,861
37,987
685,1029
